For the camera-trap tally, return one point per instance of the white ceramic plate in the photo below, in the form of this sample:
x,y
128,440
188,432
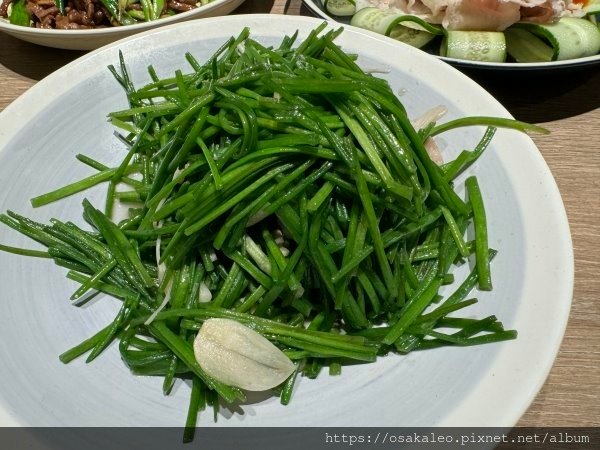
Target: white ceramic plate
x,y
316,7
96,38
65,114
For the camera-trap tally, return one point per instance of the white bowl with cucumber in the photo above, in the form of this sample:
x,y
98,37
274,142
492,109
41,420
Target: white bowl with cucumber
x,y
519,35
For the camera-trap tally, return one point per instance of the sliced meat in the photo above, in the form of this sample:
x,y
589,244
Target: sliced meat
x,y
48,22
178,6
52,11
480,15
547,11
80,18
541,14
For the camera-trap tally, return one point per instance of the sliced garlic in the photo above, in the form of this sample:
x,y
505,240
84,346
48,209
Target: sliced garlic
x,y
237,355
204,294
431,115
434,151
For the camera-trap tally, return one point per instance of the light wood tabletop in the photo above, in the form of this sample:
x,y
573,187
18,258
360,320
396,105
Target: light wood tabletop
x,y
568,104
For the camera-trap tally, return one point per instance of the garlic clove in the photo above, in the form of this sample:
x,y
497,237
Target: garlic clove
x,y
239,356
434,151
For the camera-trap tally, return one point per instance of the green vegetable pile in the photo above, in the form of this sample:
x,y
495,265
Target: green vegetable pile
x,y
283,188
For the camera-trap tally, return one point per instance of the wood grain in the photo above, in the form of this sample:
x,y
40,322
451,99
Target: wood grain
x,y
568,104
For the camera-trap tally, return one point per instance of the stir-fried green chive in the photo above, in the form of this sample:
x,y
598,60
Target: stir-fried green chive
x,y
481,238
25,252
277,187
497,122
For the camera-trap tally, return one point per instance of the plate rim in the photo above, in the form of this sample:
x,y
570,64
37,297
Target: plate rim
x,y
7,117
484,65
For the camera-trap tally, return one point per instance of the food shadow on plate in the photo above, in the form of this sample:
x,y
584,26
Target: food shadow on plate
x,y
245,408
31,60
236,408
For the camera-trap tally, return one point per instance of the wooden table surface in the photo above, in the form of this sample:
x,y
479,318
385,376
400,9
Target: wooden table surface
x,y
569,105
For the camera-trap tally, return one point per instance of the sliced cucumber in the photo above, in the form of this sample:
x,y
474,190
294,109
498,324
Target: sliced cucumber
x,y
525,47
488,46
570,38
413,31
411,36
592,7
340,7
